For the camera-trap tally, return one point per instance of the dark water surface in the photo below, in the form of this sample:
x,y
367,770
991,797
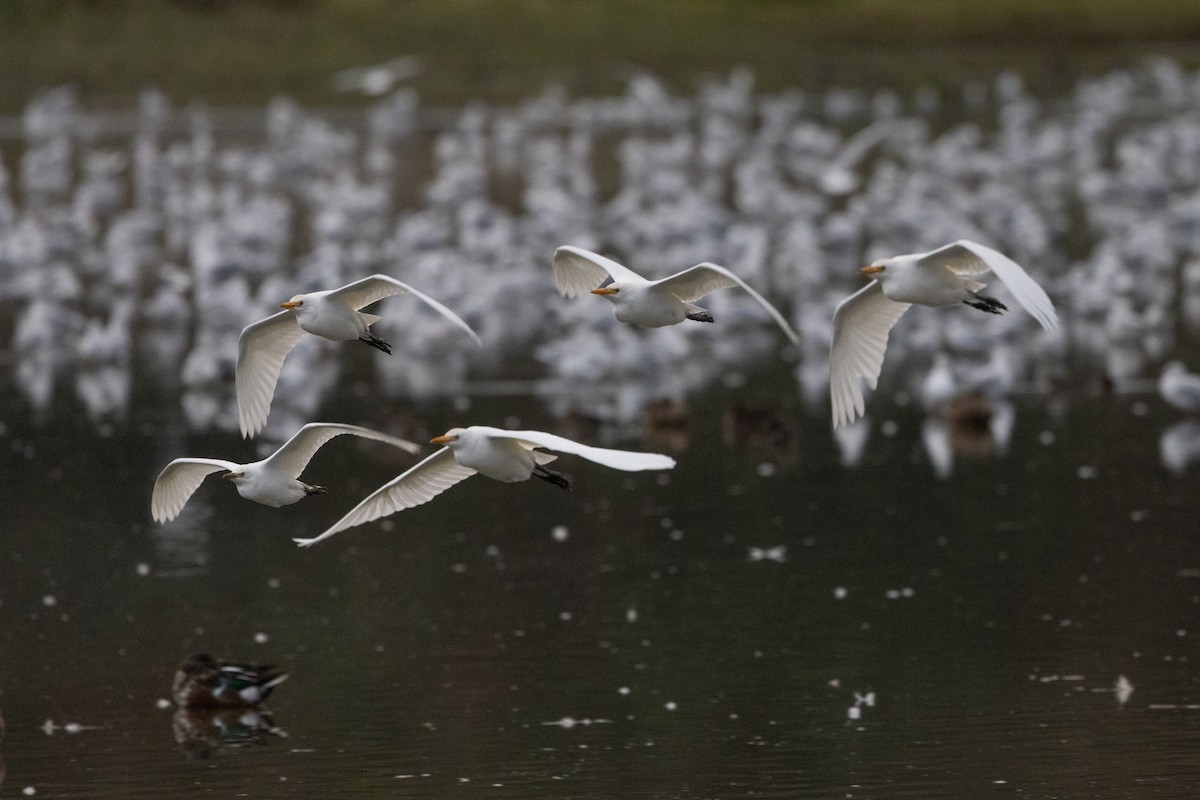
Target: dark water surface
x,y
625,639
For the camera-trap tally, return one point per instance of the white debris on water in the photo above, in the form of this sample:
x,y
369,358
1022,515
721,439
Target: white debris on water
x,y
559,533
778,553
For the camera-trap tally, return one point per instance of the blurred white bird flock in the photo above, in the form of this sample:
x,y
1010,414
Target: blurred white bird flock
x,y
149,238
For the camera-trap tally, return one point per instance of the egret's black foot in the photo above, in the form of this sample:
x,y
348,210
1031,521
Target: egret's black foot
x,y
551,477
315,490
988,304
701,316
376,342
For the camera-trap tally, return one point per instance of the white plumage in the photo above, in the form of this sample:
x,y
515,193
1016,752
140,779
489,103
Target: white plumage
x,y
507,456
941,277
272,481
653,304
333,314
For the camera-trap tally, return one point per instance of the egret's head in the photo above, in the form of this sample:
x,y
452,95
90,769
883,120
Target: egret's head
x,y
608,292
876,267
233,476
449,437
295,302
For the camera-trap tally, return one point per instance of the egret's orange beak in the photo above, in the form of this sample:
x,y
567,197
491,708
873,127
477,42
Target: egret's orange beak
x,y
871,270
604,290
443,439
291,304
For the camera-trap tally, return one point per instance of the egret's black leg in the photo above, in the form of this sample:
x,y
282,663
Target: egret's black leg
x,y
551,477
376,342
314,489
700,316
988,304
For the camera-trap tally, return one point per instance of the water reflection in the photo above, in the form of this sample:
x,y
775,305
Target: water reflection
x,y
201,732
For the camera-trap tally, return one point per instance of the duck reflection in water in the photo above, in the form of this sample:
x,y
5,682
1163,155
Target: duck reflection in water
x,y
970,426
770,431
199,732
665,425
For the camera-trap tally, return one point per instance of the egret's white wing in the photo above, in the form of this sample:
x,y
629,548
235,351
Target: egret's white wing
x,y
295,454
376,287
617,459
692,284
971,258
178,481
578,271
861,325
262,347
418,485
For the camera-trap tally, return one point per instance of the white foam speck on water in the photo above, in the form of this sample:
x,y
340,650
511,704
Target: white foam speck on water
x,y
670,705
142,569
1087,472
623,691
840,592
631,615
765,470
49,600
1046,438
889,428
560,533
162,702
261,638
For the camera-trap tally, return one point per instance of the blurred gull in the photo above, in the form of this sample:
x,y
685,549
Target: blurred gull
x,y
1180,388
507,456
653,304
379,79
941,277
272,481
1179,446
332,314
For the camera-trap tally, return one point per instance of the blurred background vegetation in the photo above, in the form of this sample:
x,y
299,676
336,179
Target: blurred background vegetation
x,y
247,51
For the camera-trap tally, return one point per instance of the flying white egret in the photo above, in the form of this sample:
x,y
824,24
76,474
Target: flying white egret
x,y
272,481
507,456
941,277
653,304
332,314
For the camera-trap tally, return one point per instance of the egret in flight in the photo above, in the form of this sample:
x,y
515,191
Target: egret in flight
x,y
941,277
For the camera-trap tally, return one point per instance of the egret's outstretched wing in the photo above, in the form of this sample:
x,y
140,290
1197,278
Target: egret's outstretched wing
x,y
617,459
295,454
418,485
578,271
861,325
262,347
692,284
178,481
971,258
376,287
